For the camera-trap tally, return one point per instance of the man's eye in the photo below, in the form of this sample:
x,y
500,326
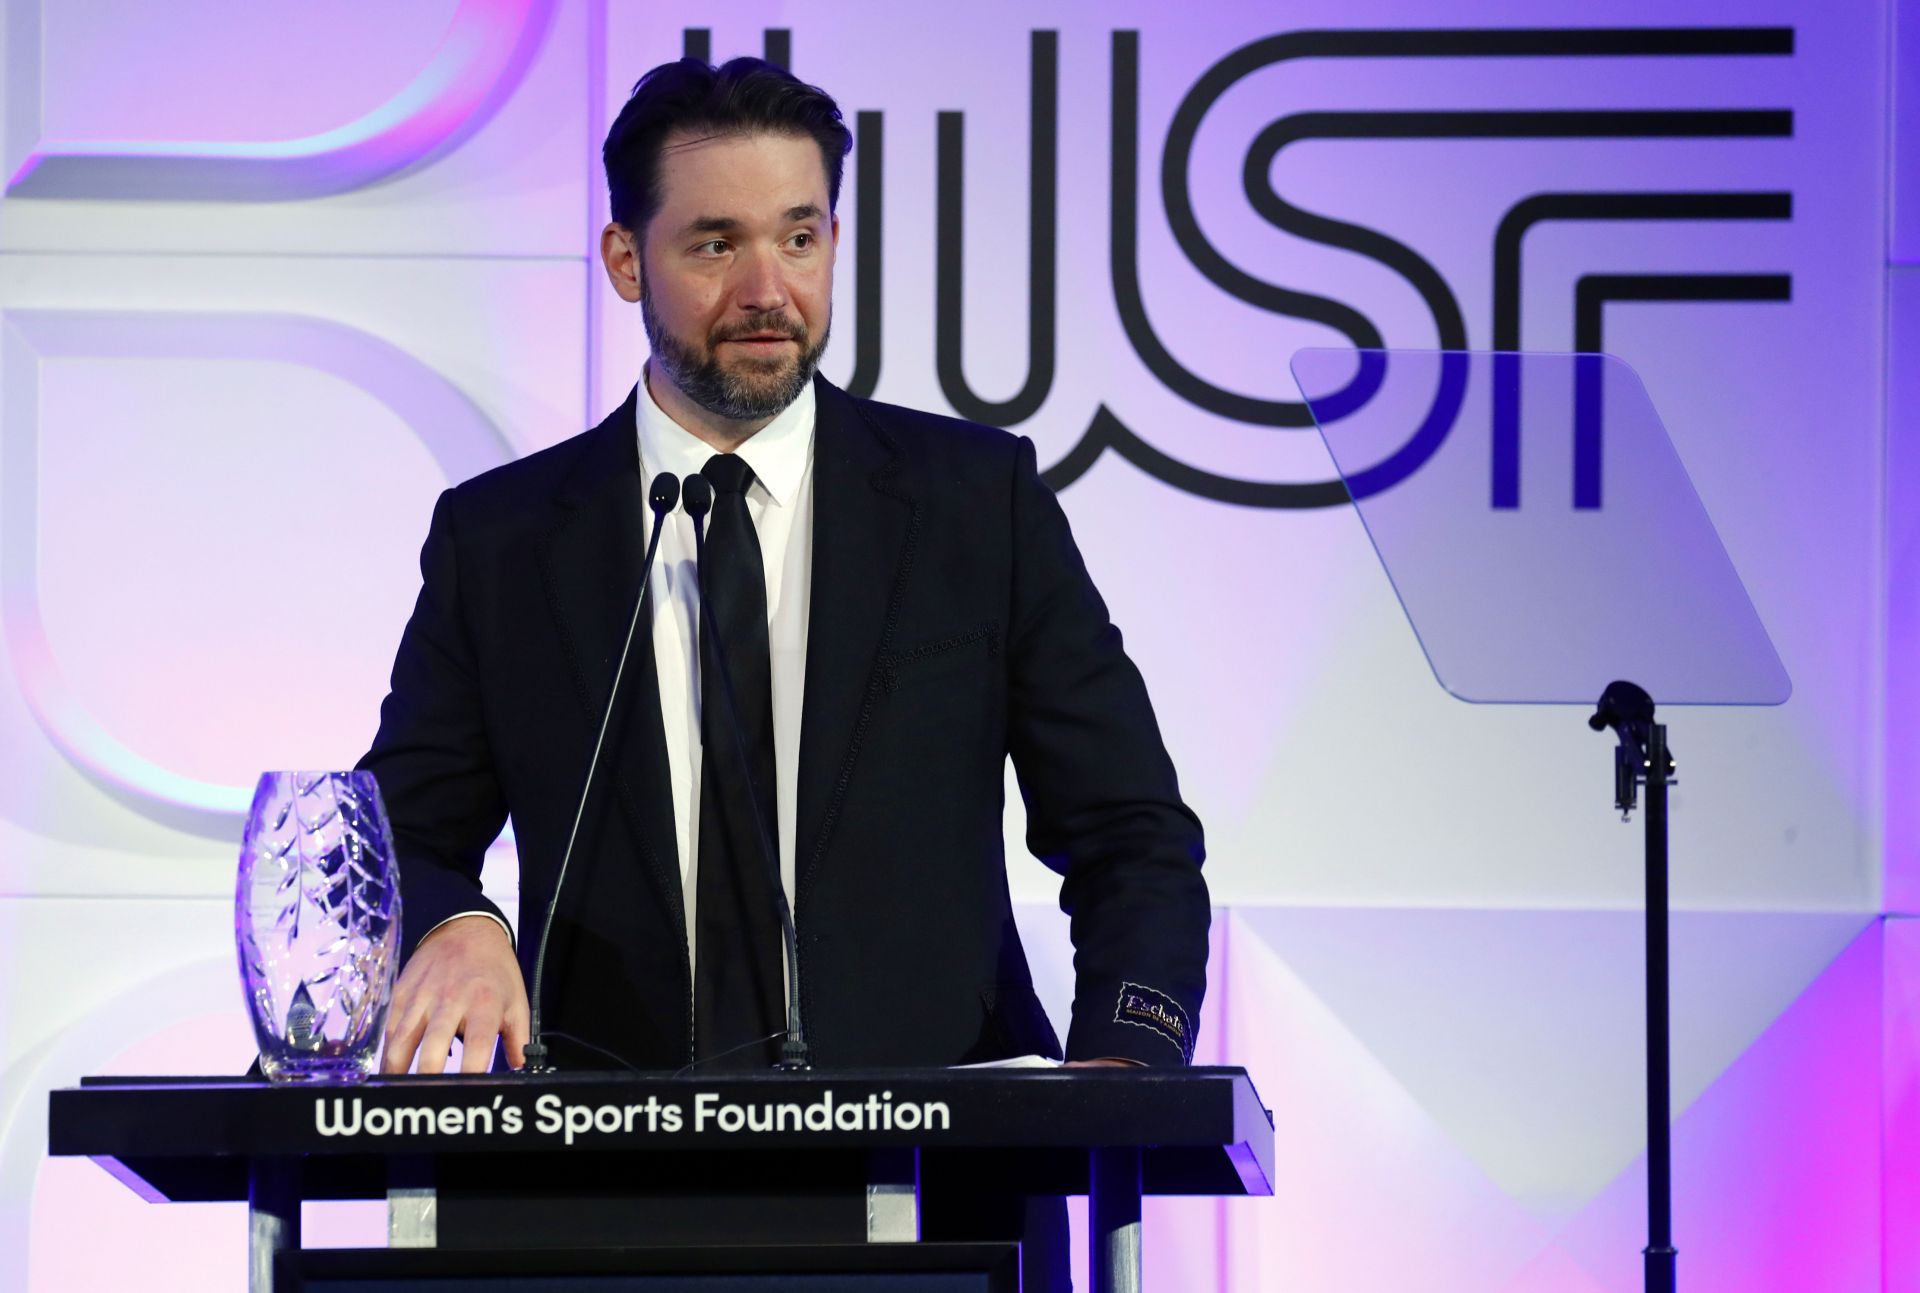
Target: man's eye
x,y
713,248
803,240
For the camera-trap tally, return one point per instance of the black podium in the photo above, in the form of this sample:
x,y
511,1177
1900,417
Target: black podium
x,y
640,1182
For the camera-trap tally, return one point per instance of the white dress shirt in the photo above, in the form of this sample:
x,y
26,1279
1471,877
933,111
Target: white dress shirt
x,y
780,502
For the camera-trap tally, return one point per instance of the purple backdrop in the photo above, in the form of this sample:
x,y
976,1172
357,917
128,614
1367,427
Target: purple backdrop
x,y
269,280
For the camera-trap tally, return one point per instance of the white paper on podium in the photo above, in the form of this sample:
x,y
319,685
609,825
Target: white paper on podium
x,y
1017,1062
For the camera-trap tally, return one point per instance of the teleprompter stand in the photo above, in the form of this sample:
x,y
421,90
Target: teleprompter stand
x,y
646,1182
1642,758
1543,538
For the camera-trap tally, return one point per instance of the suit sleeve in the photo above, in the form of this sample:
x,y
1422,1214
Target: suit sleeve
x,y
1103,803
431,756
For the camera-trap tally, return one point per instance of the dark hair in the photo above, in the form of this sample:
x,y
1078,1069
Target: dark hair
x,y
744,95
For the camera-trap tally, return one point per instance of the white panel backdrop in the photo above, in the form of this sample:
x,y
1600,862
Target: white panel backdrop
x,y
229,394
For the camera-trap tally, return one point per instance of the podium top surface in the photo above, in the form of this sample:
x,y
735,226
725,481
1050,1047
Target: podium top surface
x,y
1201,1130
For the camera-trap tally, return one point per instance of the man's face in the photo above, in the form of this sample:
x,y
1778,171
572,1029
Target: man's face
x,y
736,270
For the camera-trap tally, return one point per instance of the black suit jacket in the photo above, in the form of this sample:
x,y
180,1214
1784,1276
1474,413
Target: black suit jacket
x,y
952,622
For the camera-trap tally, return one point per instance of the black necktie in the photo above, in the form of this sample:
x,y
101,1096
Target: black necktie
x,y
737,995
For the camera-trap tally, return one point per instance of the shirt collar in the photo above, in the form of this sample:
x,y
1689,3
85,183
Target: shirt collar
x,y
778,452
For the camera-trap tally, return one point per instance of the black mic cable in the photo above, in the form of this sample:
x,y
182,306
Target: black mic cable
x,y
662,496
793,1051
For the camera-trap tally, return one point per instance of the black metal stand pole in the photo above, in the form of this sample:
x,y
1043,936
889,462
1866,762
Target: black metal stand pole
x,y
1642,756
1659,1253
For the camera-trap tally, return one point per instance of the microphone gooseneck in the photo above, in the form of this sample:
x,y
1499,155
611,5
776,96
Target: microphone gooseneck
x,y
662,496
794,1055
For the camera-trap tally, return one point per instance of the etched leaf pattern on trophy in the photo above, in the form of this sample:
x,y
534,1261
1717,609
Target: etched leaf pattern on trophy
x,y
319,914
367,898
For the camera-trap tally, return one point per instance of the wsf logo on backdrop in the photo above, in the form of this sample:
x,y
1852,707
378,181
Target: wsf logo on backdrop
x,y
1474,303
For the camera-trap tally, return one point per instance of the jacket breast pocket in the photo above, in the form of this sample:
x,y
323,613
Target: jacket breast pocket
x,y
951,654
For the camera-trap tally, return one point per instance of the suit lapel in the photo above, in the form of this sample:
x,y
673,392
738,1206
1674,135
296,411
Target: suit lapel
x,y
865,523
591,564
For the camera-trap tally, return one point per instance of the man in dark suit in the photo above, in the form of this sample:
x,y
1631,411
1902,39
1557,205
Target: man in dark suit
x,y
915,611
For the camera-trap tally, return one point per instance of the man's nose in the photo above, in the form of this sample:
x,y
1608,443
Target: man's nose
x,y
759,285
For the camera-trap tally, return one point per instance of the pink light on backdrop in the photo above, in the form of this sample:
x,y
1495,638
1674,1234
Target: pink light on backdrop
x,y
1901,883
455,431
1776,1166
1383,1171
199,1027
477,65
1900,1153
1373,1193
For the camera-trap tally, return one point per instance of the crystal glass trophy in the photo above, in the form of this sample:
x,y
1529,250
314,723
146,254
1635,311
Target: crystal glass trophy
x,y
317,921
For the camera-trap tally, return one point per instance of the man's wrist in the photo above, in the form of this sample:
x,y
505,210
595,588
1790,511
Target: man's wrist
x,y
467,915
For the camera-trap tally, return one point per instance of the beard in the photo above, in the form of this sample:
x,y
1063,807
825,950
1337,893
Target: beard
x,y
751,388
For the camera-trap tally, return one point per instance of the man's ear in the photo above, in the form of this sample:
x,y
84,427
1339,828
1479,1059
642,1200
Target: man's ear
x,y
836,231
620,253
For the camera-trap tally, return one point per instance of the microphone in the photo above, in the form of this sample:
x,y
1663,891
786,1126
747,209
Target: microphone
x,y
662,496
793,1051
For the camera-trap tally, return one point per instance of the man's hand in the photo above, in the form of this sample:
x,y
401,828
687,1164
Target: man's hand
x,y
461,981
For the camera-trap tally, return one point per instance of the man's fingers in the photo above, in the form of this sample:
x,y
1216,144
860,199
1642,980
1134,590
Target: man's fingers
x,y
437,1043
461,981
406,1020
513,1035
476,1043
404,1027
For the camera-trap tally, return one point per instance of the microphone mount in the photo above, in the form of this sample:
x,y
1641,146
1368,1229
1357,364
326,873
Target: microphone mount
x,y
1628,710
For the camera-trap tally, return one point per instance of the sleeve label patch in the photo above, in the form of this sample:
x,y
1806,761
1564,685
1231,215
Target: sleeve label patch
x,y
1149,1008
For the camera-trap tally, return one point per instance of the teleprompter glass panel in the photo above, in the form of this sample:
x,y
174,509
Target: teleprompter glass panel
x,y
1538,526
